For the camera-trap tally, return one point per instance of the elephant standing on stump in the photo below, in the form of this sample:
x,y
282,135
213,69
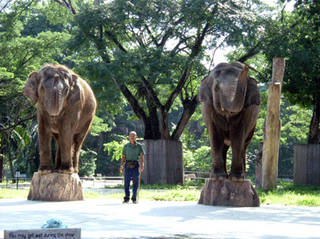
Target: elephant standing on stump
x,y
230,106
65,110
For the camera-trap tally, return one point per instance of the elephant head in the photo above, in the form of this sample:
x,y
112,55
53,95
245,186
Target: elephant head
x,y
226,86
50,87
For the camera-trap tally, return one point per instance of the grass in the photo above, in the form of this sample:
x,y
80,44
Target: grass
x,y
156,195
285,194
290,194
10,193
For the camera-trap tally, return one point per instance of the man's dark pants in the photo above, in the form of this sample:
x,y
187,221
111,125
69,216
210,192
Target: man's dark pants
x,y
131,174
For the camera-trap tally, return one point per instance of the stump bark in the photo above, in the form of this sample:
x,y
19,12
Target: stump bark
x,y
55,187
226,192
163,162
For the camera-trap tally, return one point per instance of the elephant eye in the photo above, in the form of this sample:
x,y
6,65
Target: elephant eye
x,y
65,90
216,88
217,73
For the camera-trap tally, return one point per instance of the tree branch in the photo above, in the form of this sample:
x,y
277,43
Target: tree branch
x,y
151,92
17,123
139,40
68,5
169,32
5,5
132,100
252,52
115,40
154,40
189,107
194,52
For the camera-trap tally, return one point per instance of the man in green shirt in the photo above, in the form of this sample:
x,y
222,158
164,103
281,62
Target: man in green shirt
x,y
132,164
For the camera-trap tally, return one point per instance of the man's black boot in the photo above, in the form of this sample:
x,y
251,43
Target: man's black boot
x,y
125,201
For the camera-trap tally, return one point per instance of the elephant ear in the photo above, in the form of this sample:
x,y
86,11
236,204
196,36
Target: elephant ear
x,y
31,87
205,94
253,96
75,89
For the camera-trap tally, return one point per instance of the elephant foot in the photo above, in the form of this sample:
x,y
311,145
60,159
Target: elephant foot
x,y
56,170
215,174
238,177
44,171
66,171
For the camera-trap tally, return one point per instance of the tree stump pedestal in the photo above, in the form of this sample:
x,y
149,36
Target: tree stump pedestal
x,y
55,187
225,192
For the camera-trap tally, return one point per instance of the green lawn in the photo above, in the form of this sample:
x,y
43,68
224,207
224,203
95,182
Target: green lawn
x,y
285,194
293,195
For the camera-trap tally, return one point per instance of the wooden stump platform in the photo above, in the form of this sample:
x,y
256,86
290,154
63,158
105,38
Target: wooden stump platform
x,y
225,192
55,187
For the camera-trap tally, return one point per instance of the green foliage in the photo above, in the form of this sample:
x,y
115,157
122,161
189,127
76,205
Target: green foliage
x,y
198,160
87,164
98,126
154,40
114,148
291,195
295,37
156,48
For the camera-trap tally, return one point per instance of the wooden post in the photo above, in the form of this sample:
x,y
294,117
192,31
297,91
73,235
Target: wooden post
x,y
272,128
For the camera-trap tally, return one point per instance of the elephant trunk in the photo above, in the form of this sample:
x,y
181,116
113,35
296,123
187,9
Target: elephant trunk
x,y
54,104
233,95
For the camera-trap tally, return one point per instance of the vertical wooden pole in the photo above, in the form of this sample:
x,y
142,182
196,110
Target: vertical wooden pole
x,y
272,128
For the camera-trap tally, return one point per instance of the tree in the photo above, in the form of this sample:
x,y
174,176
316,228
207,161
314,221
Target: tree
x,y
153,51
301,47
22,52
295,36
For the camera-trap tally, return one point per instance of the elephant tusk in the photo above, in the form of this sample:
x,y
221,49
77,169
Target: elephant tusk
x,y
222,108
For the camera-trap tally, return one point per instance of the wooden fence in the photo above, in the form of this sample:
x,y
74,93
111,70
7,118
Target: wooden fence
x,y
307,164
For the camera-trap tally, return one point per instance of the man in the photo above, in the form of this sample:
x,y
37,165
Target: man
x,y
131,154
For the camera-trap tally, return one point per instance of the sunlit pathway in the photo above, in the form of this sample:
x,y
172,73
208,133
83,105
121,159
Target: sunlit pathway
x,y
152,219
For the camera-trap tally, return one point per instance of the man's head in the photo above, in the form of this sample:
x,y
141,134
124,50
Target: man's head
x,y
132,137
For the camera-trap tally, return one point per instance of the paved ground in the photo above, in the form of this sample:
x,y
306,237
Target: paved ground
x,y
152,219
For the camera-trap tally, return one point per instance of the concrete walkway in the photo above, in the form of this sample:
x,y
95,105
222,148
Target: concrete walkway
x,y
152,219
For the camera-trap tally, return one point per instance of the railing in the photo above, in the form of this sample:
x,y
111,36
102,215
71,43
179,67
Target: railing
x,y
16,182
196,175
101,181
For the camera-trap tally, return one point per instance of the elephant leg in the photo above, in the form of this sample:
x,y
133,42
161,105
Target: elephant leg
x,y
58,153
78,140
238,156
218,158
65,146
45,137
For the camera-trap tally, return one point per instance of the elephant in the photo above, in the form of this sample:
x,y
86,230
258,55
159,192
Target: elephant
x,y
66,106
230,106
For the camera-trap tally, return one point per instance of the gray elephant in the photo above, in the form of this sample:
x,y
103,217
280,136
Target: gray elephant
x,y
230,106
65,111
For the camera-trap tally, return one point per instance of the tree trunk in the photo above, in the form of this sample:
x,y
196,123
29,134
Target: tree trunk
x,y
165,131
273,128
189,106
11,163
258,173
313,137
151,123
1,161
